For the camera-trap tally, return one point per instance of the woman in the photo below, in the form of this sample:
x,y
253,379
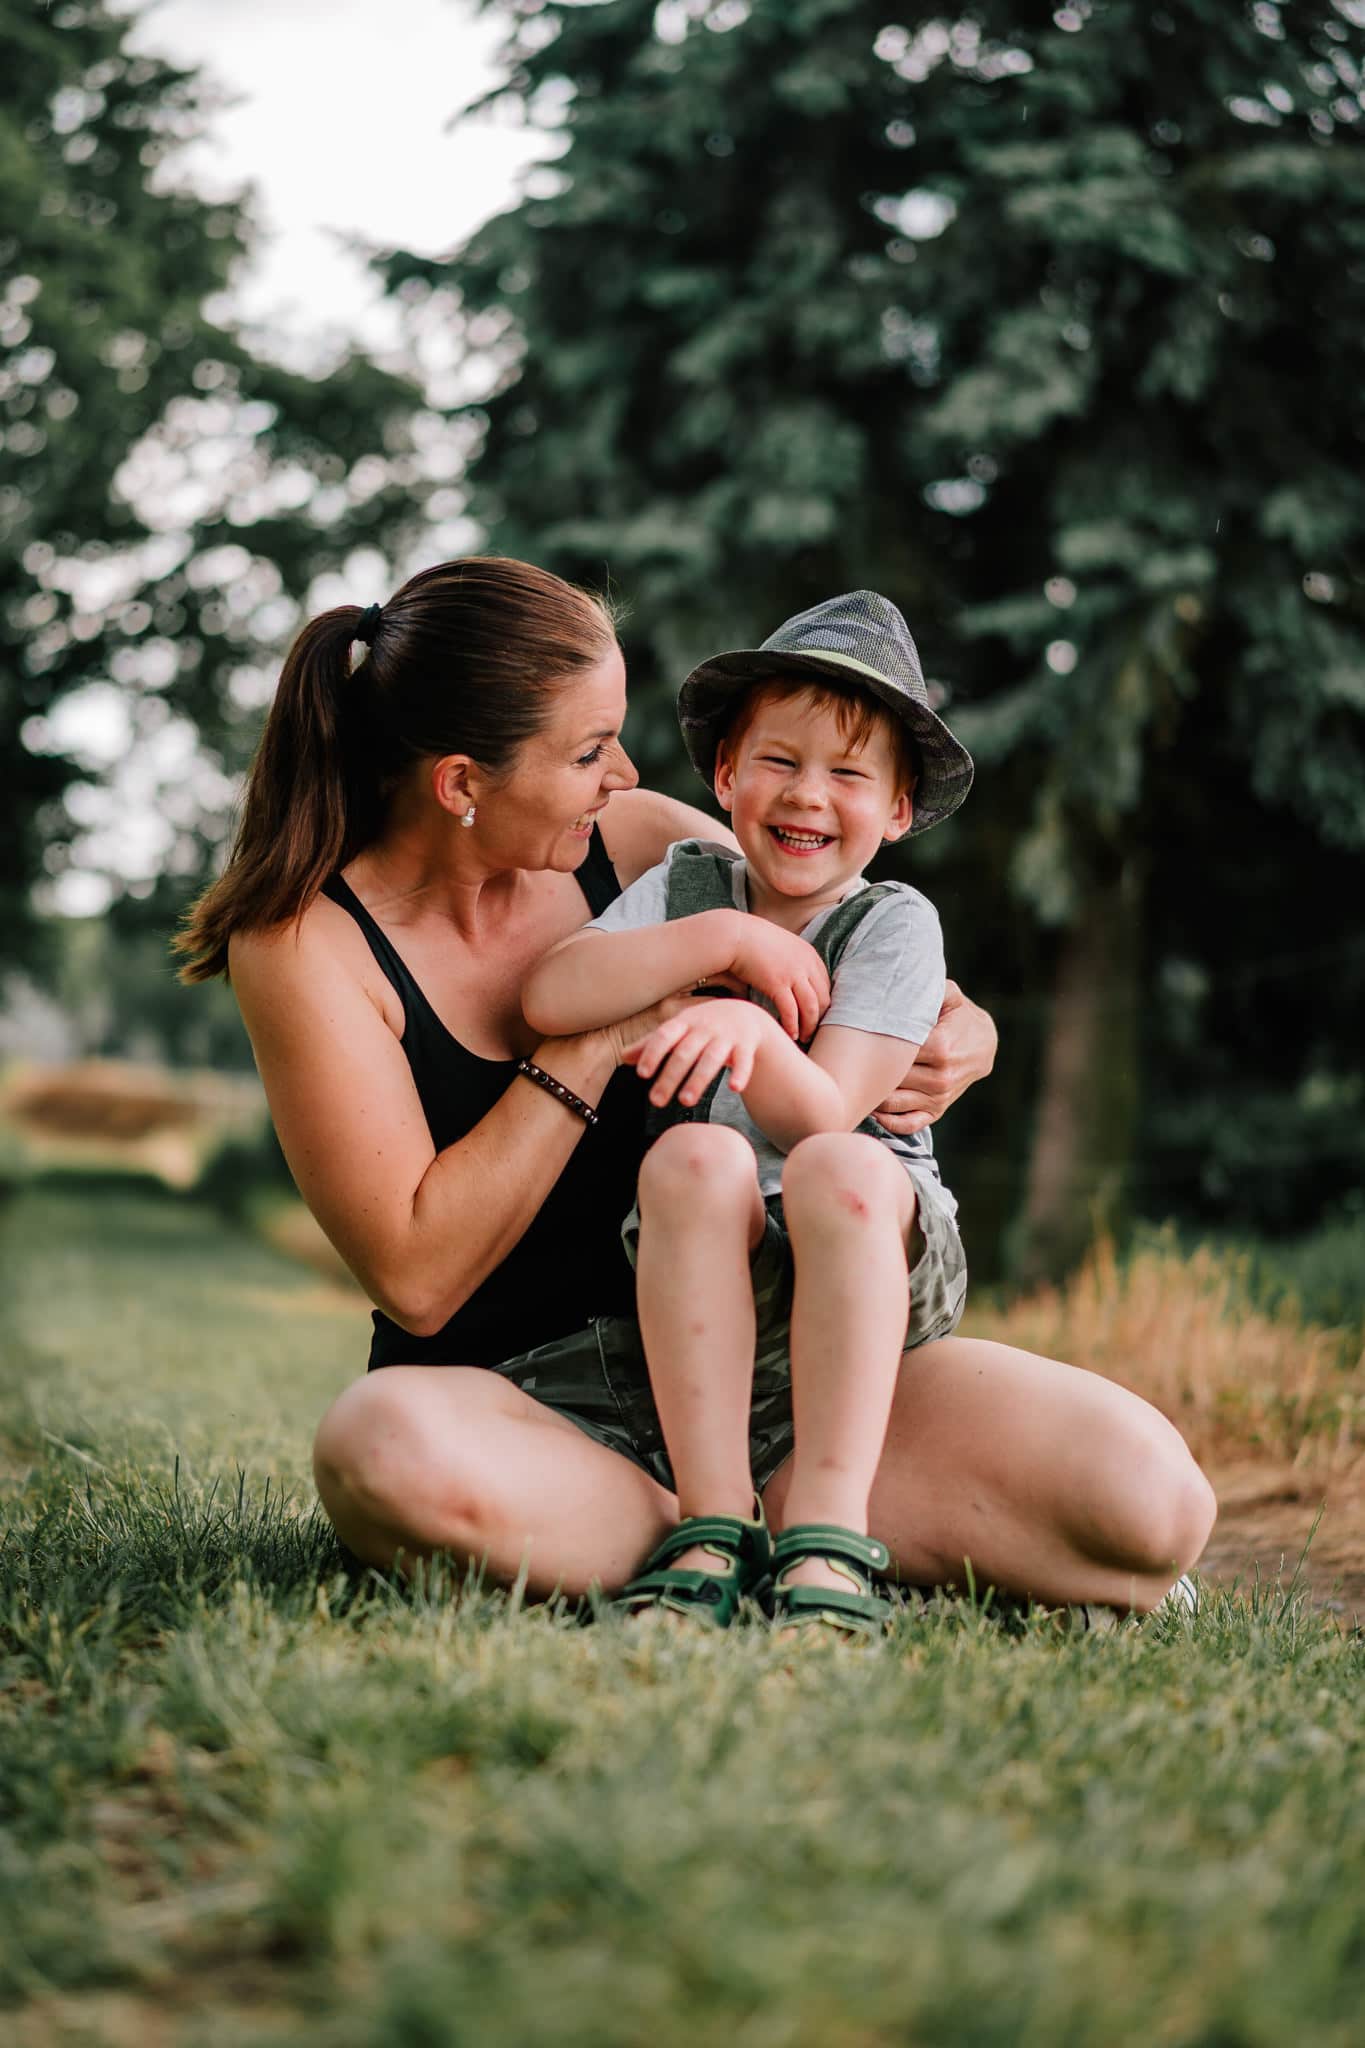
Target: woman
x,y
419,827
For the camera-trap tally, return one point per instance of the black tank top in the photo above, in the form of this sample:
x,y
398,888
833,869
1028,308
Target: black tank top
x,y
569,1267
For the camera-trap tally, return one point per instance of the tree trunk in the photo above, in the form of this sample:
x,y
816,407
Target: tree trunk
x,y
1087,1103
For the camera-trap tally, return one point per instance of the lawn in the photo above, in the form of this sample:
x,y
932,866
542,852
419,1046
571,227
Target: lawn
x,y
245,1799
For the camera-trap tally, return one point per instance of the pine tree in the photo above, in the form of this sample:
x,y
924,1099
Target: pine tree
x,y
1048,323
167,495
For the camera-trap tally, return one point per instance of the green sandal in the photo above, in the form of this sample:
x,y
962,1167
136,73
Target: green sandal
x,y
743,1557
859,1612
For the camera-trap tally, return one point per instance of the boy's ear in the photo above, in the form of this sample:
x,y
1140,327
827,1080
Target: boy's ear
x,y
725,778
902,817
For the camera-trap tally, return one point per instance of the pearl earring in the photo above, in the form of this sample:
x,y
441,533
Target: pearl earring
x,y
468,817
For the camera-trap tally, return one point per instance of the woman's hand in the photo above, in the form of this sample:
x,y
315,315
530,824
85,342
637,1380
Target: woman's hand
x,y
684,1054
958,1051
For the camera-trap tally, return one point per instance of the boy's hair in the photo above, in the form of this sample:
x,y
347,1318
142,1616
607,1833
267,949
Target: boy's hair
x,y
857,711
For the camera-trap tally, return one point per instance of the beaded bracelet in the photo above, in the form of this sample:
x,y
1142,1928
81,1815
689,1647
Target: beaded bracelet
x,y
558,1090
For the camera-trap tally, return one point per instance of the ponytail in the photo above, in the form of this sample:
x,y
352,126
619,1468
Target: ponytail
x,y
464,659
312,799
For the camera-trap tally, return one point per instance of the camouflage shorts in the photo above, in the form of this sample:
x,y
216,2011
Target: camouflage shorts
x,y
597,1377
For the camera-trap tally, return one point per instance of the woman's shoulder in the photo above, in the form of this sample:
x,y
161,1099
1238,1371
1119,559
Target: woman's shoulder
x,y
306,959
639,825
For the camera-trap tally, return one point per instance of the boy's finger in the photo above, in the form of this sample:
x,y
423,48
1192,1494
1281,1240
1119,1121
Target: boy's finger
x,y
713,1058
659,1041
741,1068
675,1070
810,1010
788,1015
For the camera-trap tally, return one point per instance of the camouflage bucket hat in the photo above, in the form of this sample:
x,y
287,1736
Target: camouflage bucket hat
x,y
859,638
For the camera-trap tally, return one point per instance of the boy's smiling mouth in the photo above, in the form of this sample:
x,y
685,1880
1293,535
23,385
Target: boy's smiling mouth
x,y
800,842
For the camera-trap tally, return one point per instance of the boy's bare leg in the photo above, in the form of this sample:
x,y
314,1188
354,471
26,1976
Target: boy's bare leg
x,y
849,1211
701,1216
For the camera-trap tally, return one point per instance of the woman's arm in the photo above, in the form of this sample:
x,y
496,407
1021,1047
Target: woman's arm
x,y
638,827
959,1051
419,1229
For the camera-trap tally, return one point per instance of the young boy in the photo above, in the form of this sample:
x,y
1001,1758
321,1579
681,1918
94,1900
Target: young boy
x,y
822,747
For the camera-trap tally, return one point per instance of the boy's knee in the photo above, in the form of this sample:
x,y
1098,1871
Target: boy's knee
x,y
697,1162
840,1174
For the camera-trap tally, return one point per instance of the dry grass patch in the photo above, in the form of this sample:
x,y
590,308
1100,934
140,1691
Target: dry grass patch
x,y
1181,1330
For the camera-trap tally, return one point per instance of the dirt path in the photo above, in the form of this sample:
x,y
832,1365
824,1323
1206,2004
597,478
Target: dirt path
x,y
1266,1512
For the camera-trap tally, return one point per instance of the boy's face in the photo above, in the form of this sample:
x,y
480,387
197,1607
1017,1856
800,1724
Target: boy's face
x,y
809,806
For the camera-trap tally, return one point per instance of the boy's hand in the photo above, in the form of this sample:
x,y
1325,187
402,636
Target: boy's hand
x,y
628,1034
684,1055
784,968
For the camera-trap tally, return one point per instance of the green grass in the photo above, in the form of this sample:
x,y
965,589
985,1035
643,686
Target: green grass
x,y
246,1799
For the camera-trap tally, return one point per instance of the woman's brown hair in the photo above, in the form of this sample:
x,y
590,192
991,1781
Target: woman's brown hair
x,y
464,659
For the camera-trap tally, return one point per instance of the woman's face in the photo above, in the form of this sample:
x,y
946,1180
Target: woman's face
x,y
541,814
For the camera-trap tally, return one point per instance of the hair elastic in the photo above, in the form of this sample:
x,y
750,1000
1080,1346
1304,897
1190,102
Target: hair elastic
x,y
367,625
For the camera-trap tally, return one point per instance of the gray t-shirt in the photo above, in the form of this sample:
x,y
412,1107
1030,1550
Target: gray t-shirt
x,y
889,980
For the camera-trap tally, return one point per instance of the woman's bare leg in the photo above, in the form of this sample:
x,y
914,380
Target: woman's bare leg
x,y
849,1207
425,1458
701,1216
1051,1481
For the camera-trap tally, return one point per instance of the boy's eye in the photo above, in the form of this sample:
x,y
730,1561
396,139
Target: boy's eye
x,y
778,760
856,774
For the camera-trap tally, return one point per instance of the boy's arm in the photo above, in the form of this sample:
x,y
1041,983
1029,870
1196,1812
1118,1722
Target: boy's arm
x,y
631,956
789,1094
596,978
890,977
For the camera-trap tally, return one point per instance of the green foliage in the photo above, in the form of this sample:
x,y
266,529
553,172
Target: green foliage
x,y
114,982
168,494
1045,322
243,1168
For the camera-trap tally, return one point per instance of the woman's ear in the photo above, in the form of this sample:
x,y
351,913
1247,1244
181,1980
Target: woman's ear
x,y
725,779
456,783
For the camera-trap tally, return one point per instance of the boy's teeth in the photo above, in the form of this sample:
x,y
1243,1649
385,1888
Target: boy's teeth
x,y
801,838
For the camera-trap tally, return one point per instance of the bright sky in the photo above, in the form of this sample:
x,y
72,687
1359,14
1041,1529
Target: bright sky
x,y
339,115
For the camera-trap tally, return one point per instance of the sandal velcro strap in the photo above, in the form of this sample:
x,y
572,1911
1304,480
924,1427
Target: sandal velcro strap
x,y
827,1539
857,1610
741,1571
741,1540
863,1612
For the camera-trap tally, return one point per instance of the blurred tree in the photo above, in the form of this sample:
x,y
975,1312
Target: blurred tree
x,y
1048,322
166,493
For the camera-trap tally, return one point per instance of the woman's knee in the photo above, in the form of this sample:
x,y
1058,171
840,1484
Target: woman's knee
x,y
362,1446
840,1175
1166,1508
375,1451
697,1163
